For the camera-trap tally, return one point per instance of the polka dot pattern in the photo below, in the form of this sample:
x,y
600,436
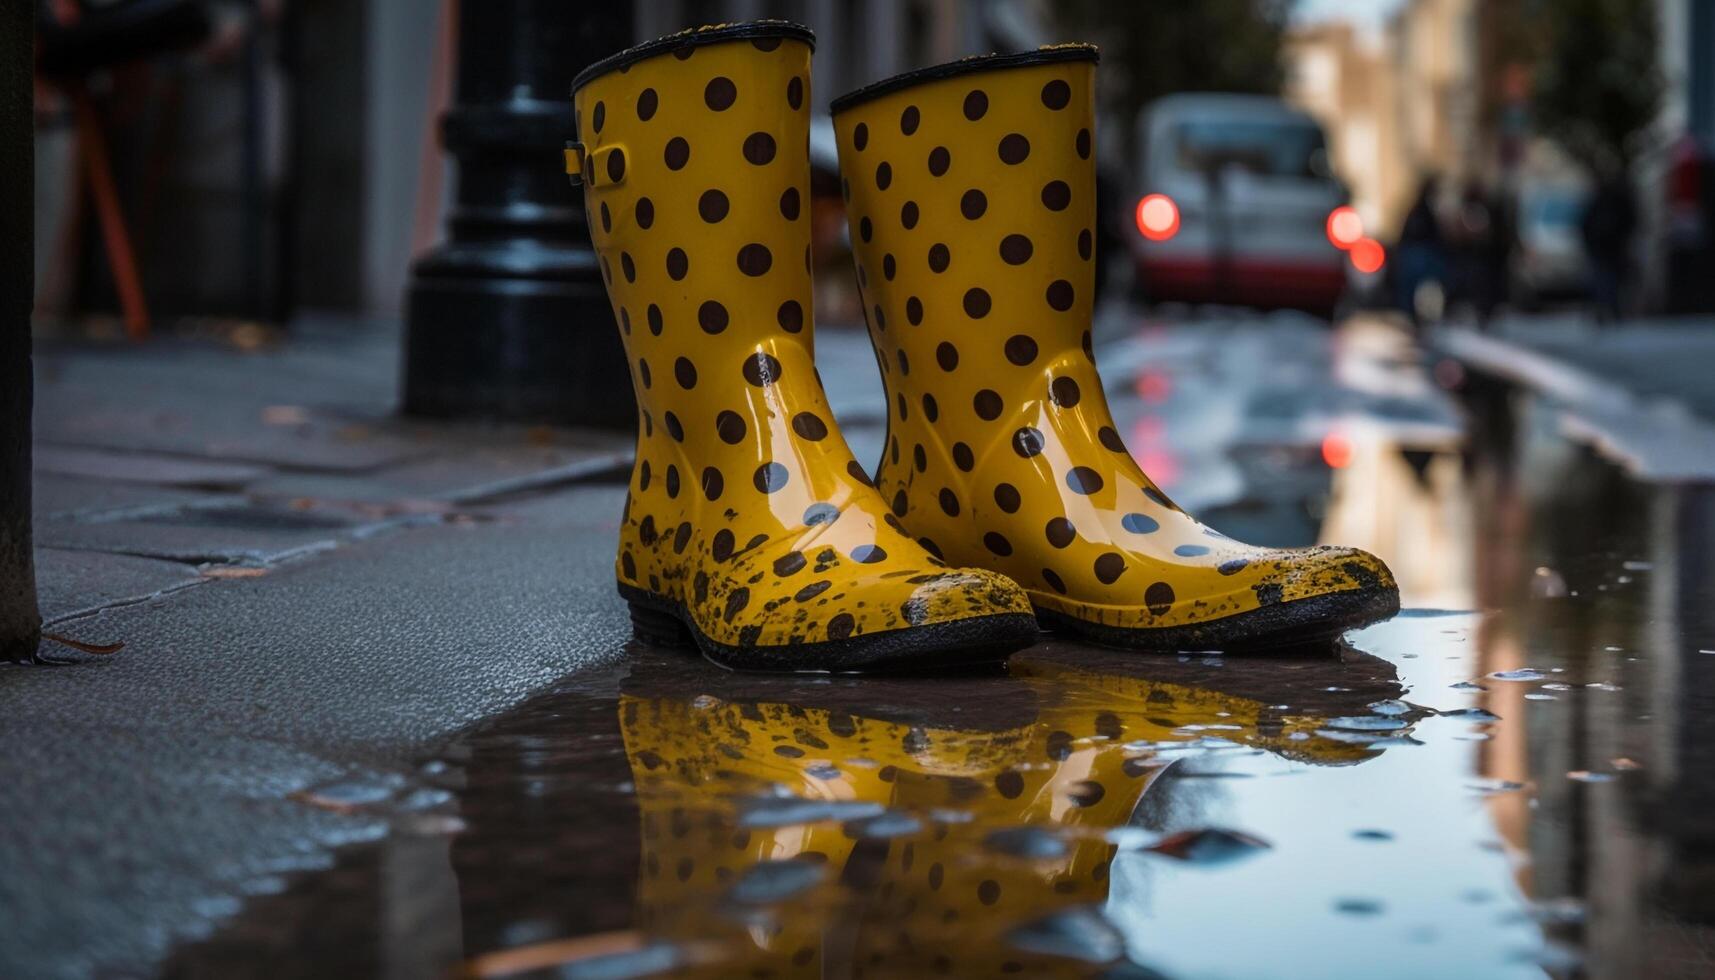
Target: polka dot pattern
x,y
987,294
744,497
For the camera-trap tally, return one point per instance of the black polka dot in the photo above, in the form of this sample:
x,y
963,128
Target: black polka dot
x,y
868,554
791,563
1054,581
949,502
677,264
973,204
1159,598
1015,249
947,356
939,161
962,456
879,318
1232,567
766,43
686,373
606,218
820,513
976,104
712,483
860,136
909,119
754,259
866,230
939,258
900,400
977,303
1084,144
1159,497
655,323
840,627
1082,479
1060,295
988,892
643,484
790,316
729,425
888,267
712,317
931,410
1027,442
904,361
678,153
759,148
1014,148
1140,523
1056,94
908,215
795,93
713,206
770,477
856,471
761,369
643,372
722,545
1109,567
1060,532
900,503
1086,244
720,93
790,204
1056,195
672,481
883,175
1009,784
1020,349
647,103
645,213
628,267
1006,498
1064,391
987,404
810,426
616,165
997,543
625,320
914,310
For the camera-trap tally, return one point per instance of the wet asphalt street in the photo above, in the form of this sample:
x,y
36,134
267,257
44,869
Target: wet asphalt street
x,y
1511,779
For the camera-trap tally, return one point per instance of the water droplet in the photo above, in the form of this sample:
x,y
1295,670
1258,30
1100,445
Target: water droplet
x,y
1626,765
775,881
1534,696
1557,686
1585,776
1366,723
1358,906
1602,686
1079,933
887,825
704,702
1212,845
1373,834
789,811
1492,785
1521,674
1390,707
1033,843
1467,686
1546,583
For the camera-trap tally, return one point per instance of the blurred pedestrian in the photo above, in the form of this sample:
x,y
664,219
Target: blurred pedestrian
x,y
1420,256
1485,240
1610,220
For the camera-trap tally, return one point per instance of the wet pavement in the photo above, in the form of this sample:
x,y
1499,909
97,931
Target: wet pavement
x,y
1513,778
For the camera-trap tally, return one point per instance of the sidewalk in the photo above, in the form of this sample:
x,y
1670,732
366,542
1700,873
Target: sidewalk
x,y
1637,392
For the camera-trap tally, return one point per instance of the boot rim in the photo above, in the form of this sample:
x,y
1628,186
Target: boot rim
x,y
692,37
1045,55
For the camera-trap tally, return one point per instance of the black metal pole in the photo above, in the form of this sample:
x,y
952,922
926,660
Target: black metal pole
x,y
508,317
20,623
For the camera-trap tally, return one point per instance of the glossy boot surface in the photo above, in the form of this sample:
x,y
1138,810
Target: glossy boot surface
x,y
970,192
749,527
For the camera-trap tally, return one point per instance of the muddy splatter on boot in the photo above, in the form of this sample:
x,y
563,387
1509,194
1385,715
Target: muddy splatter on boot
x,y
970,191
749,527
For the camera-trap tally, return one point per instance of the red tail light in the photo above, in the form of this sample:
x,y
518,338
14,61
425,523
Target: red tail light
x,y
1157,217
1345,228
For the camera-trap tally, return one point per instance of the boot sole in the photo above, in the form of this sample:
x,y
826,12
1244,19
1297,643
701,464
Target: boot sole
x,y
659,621
1279,628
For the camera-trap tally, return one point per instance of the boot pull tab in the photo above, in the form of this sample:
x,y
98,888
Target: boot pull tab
x,y
575,162
603,165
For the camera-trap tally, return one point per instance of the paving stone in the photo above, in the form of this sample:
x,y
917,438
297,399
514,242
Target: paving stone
x,y
65,498
144,468
70,582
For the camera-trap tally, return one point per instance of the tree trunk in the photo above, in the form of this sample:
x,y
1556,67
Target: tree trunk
x,y
20,623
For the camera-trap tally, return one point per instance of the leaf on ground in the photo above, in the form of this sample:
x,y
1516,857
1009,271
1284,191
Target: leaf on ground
x,y
99,649
233,571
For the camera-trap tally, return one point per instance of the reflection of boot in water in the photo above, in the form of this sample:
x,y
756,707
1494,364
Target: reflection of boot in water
x,y
933,819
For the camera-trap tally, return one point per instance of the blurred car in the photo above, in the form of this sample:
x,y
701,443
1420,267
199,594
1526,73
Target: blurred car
x,y
1235,203
1549,263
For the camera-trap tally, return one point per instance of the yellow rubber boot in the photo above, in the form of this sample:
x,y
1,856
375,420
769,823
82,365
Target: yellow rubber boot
x,y
970,191
748,524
